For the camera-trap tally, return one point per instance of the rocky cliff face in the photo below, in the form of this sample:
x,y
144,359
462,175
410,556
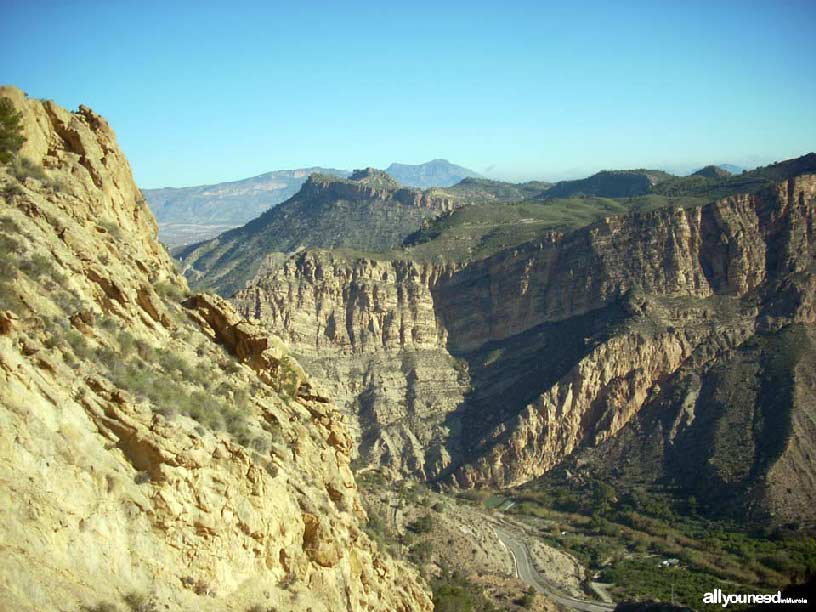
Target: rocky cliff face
x,y
154,451
560,344
373,184
715,249
370,329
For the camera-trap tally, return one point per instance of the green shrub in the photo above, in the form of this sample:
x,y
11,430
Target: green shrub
x,y
37,266
421,553
477,496
169,291
9,246
231,366
111,227
24,168
242,401
11,131
424,524
56,185
455,593
126,342
261,444
9,300
141,477
79,345
173,362
56,333
109,323
137,602
8,226
376,528
12,189
526,601
144,351
102,606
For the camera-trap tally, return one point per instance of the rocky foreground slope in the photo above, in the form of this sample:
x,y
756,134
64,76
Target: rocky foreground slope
x,y
493,372
155,448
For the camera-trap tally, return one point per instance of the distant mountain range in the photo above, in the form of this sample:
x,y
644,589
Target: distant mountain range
x,y
732,168
367,211
370,212
191,214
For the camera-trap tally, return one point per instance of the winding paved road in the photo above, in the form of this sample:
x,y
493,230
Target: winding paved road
x,y
527,572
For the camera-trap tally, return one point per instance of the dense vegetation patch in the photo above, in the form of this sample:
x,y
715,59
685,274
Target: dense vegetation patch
x,y
174,384
623,536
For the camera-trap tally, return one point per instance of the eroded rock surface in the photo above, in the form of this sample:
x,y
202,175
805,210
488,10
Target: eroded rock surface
x,y
149,450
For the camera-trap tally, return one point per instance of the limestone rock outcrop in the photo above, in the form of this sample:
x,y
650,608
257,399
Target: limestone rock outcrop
x,y
151,451
250,343
373,184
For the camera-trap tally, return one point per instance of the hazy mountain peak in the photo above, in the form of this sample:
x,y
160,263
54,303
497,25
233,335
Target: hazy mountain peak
x,y
434,173
712,171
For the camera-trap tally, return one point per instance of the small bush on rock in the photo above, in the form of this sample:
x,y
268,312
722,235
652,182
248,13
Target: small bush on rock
x,y
11,131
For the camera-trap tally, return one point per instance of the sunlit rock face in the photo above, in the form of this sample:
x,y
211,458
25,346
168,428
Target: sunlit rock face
x,y
155,448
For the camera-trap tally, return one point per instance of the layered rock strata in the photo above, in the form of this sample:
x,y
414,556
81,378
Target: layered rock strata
x,y
369,329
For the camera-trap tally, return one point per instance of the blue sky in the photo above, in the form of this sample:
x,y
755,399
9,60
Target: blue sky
x,y
202,92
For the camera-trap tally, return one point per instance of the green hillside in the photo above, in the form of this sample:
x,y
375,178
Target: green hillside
x,y
478,231
486,191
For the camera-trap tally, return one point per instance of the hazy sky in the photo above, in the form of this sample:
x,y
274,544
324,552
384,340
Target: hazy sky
x,y
201,92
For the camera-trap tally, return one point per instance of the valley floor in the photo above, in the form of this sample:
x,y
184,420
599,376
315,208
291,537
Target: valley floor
x,y
540,548
175,235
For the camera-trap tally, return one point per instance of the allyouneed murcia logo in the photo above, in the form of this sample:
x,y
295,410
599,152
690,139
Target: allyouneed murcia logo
x,y
725,599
